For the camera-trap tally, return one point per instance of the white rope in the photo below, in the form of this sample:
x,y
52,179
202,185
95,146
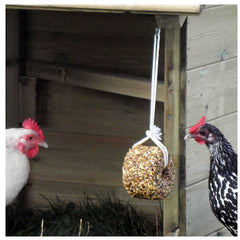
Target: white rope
x,y
154,133
154,76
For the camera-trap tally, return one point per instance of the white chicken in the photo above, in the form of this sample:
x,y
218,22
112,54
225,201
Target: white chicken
x,y
21,144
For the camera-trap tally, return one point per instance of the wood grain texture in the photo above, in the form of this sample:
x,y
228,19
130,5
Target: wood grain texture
x,y
125,85
71,109
12,68
88,133
104,42
212,88
103,7
197,156
12,74
212,91
76,158
182,154
27,98
200,219
74,163
171,125
212,36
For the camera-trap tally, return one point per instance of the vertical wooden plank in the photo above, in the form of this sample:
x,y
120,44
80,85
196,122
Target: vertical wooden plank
x,y
27,98
12,68
172,124
182,127
182,155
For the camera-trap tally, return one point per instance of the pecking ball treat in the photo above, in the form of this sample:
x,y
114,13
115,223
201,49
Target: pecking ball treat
x,y
144,175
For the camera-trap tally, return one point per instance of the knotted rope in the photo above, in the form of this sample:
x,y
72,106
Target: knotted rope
x,y
154,133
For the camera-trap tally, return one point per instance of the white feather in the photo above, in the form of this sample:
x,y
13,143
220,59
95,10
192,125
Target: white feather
x,y
17,164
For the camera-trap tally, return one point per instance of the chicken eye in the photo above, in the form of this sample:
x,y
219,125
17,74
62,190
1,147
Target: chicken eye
x,y
30,138
202,133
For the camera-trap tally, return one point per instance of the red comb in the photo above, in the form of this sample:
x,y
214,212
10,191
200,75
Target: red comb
x,y
199,124
31,124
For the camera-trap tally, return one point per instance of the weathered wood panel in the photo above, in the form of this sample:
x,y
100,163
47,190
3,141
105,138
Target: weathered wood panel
x,y
27,98
212,36
81,158
12,68
66,108
88,132
200,219
213,87
12,74
211,91
197,156
107,24
125,85
221,232
115,43
171,124
182,155
116,8
74,163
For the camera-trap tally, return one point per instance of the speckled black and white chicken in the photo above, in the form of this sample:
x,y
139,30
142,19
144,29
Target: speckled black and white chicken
x,y
223,173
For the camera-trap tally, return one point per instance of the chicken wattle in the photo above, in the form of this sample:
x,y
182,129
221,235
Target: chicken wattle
x,y
223,177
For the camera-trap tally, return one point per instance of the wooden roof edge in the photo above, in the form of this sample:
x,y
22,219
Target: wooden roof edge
x,y
138,9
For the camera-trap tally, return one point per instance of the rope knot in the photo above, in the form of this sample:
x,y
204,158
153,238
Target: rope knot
x,y
154,133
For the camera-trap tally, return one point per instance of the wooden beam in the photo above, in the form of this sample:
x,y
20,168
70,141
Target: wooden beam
x,y
167,22
125,85
118,8
172,123
170,21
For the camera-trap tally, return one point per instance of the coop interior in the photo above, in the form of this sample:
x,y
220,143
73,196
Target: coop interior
x,y
85,77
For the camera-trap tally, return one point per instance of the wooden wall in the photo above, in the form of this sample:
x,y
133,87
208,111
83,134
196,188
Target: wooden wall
x,y
211,87
88,131
114,43
12,66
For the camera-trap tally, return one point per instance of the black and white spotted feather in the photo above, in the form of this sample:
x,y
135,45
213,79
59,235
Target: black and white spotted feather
x,y
223,189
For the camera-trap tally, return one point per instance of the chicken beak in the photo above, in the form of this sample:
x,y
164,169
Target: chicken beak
x,y
43,144
188,136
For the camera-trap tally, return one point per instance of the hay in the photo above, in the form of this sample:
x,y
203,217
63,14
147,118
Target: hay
x,y
104,216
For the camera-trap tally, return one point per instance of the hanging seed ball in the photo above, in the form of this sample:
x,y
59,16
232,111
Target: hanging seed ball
x,y
144,175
